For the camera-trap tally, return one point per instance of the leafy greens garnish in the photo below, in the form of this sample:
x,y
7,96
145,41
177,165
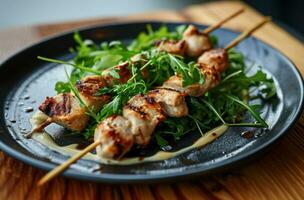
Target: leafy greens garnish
x,y
227,103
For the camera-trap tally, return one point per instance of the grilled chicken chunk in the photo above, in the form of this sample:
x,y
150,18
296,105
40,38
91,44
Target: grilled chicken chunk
x,y
173,47
196,42
172,101
88,87
123,71
115,136
212,78
216,58
193,43
140,60
145,114
64,109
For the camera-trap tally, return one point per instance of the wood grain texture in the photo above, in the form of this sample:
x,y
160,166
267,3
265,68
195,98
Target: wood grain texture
x,y
279,174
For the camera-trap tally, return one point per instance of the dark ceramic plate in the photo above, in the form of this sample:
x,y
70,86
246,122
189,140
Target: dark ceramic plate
x,y
26,81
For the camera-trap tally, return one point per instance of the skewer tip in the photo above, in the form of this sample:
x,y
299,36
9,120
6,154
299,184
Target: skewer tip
x,y
60,168
247,33
39,128
41,182
220,23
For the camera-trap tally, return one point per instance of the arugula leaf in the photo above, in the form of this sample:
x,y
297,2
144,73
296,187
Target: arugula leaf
x,y
121,93
114,74
176,127
89,111
71,64
106,61
89,131
189,72
62,87
251,109
214,110
161,141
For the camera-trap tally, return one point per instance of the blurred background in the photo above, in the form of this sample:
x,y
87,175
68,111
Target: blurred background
x,y
289,14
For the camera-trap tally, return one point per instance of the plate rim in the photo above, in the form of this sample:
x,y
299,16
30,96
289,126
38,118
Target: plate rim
x,y
136,178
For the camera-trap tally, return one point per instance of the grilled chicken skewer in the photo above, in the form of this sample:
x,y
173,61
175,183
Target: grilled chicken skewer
x,y
116,134
65,110
194,42
143,113
59,110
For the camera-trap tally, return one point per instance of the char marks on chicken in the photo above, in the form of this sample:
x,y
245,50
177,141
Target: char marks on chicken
x,y
64,109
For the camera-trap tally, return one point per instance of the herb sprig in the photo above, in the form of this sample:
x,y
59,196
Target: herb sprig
x,y
121,93
189,72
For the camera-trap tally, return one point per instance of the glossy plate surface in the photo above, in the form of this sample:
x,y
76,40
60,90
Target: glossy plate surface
x,y
25,81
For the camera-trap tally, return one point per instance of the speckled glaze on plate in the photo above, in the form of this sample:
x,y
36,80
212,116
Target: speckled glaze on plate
x,y
25,81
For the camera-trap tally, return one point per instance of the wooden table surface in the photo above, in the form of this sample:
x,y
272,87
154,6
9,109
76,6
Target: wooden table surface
x,y
279,174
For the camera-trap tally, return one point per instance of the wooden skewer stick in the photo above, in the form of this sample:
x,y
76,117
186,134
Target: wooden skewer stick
x,y
57,170
39,128
247,33
220,23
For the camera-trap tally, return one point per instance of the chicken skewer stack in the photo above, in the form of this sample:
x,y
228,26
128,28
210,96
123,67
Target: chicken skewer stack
x,y
65,110
115,135
143,113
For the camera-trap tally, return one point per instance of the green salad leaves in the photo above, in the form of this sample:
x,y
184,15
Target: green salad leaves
x,y
227,103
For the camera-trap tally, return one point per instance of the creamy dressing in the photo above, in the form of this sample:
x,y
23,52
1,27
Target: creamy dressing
x,y
45,139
